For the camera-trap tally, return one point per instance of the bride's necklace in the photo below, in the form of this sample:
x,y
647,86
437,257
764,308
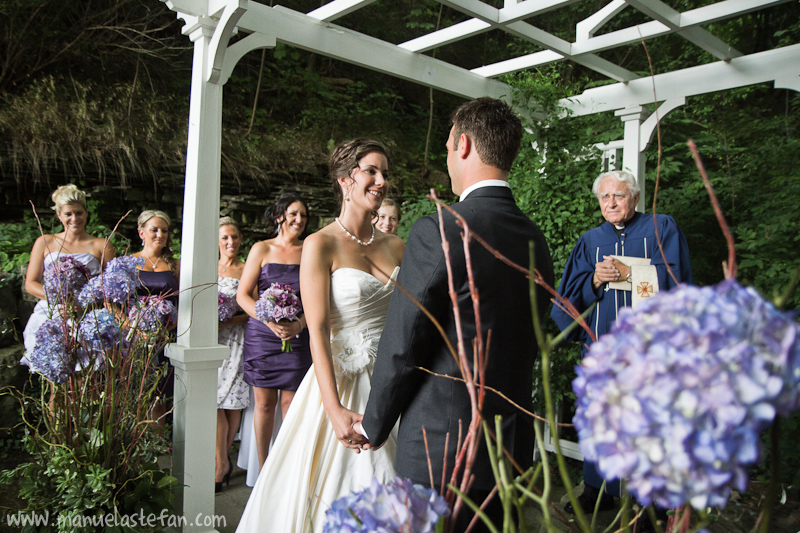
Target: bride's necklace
x,y
359,241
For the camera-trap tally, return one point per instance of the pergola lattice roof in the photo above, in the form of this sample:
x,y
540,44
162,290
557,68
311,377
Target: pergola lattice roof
x,y
210,24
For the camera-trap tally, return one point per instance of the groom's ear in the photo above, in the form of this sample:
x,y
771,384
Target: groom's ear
x,y
465,146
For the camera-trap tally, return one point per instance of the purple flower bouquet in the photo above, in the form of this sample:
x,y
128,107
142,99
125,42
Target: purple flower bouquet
x,y
226,306
279,302
393,507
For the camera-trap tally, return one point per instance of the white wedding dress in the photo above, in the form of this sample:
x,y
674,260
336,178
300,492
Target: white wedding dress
x,y
307,468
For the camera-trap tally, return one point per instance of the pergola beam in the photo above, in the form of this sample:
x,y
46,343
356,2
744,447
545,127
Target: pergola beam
x,y
741,71
451,34
539,37
658,10
337,9
297,29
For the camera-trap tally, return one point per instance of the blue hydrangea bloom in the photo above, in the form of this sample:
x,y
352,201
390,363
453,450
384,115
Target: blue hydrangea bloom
x,y
152,313
51,357
63,279
98,333
393,507
117,287
673,399
126,264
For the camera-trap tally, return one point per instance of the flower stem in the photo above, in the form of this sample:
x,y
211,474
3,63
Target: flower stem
x,y
774,475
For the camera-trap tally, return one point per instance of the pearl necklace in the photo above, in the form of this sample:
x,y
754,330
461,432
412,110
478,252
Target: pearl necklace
x,y
359,241
151,261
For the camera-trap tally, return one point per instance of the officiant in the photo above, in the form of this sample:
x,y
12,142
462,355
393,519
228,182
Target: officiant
x,y
616,265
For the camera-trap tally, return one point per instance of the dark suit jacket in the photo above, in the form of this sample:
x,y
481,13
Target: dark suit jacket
x,y
410,339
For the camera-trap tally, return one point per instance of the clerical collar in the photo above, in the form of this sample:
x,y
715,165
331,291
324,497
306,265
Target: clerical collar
x,y
619,227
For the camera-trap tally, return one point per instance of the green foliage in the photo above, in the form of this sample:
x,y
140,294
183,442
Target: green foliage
x,y
16,241
415,208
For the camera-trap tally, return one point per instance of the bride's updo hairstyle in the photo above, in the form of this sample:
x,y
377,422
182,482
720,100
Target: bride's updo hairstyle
x,y
345,158
166,253
275,214
66,195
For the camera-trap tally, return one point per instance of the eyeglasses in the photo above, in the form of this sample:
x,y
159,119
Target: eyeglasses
x,y
618,195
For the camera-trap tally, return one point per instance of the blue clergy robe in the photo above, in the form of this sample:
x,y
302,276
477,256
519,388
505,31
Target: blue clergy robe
x,y
638,239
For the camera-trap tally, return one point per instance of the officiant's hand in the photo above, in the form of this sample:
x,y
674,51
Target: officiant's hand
x,y
343,420
605,272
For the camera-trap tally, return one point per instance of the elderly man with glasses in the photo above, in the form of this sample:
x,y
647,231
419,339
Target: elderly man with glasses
x,y
615,265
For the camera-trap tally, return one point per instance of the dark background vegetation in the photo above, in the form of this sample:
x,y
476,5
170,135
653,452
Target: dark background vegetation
x,y
96,93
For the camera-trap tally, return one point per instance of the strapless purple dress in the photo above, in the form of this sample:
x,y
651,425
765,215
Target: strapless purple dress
x,y
158,284
265,365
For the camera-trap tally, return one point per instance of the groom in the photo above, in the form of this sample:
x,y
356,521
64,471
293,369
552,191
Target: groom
x,y
483,143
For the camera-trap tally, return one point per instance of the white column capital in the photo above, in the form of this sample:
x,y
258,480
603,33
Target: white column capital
x,y
632,113
196,358
197,28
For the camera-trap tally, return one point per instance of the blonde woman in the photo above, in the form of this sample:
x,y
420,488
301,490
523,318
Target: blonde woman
x,y
92,252
388,217
158,277
233,394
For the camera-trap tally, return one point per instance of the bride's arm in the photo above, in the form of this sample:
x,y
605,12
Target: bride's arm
x,y
315,289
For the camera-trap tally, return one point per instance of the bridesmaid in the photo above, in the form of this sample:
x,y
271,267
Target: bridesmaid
x,y
388,217
266,367
233,394
93,252
158,277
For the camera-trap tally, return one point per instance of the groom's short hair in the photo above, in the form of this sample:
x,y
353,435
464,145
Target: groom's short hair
x,y
493,127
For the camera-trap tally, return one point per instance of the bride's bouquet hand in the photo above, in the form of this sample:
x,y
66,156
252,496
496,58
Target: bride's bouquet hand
x,y
343,420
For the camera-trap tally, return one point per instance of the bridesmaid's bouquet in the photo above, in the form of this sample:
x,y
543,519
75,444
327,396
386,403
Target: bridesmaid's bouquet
x,y
279,302
226,307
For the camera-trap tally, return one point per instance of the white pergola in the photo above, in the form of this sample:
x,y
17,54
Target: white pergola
x,y
210,24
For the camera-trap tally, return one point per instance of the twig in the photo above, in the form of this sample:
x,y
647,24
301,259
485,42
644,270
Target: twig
x,y
730,267
658,161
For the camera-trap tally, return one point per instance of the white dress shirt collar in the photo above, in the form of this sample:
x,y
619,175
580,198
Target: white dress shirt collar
x,y
483,183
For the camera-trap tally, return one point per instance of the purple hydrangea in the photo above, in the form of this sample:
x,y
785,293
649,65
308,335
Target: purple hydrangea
x,y
152,313
127,264
98,333
673,399
393,507
51,357
116,286
64,278
226,307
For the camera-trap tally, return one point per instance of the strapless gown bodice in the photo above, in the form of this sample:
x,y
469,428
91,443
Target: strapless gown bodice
x,y
85,258
359,302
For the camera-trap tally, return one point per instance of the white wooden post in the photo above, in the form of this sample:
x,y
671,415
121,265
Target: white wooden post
x,y
196,355
632,157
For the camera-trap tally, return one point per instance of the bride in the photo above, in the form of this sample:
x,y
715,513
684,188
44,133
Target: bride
x,y
346,292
